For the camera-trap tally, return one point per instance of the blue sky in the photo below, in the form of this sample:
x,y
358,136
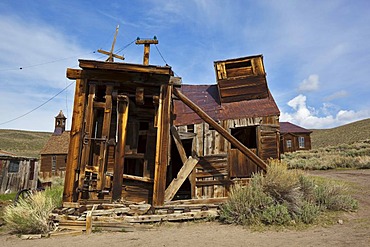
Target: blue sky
x,y
316,53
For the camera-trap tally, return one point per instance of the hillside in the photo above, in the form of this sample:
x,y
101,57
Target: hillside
x,y
23,143
348,133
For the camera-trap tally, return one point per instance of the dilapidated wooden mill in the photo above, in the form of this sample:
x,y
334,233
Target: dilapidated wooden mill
x,y
138,134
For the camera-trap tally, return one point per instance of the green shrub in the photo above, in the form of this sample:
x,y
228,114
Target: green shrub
x,y
276,215
282,196
330,195
308,213
31,215
245,205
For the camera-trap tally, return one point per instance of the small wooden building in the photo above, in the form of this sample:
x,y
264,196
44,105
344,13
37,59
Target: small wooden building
x,y
17,172
294,138
139,135
55,151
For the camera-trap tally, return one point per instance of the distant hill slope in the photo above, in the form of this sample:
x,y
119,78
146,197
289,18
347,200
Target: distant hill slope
x,y
23,143
348,133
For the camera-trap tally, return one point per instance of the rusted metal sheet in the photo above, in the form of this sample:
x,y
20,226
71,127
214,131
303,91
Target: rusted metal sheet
x,y
207,98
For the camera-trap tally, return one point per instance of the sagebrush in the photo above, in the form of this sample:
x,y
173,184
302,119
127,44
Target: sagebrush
x,y
283,197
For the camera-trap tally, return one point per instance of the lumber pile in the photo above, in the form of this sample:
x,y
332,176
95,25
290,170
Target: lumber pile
x,y
124,216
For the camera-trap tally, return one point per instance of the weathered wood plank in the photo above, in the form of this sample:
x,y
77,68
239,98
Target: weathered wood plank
x,y
221,130
176,183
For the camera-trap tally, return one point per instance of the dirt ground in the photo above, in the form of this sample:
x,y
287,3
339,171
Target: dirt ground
x,y
355,230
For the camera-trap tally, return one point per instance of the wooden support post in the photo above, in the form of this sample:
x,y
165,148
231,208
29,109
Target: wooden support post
x,y
75,141
221,130
89,116
105,134
122,115
162,145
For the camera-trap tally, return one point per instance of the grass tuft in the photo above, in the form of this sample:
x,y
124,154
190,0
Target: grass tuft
x,y
31,215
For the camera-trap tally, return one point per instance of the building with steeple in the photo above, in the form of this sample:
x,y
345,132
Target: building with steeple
x,y
54,154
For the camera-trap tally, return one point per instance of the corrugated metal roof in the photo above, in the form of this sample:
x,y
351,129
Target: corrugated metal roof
x,y
287,127
207,98
57,144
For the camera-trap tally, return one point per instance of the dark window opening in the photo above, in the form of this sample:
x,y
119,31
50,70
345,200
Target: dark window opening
x,y
190,128
238,65
246,135
141,146
100,93
134,167
13,166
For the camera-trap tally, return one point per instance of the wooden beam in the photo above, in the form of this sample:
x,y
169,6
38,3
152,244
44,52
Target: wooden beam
x,y
179,145
103,159
137,178
220,129
127,67
162,144
122,115
87,132
75,143
176,183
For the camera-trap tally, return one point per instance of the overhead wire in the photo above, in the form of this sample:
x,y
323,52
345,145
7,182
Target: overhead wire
x,y
34,109
44,103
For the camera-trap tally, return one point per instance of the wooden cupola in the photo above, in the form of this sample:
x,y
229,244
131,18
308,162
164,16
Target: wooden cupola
x,y
241,79
60,124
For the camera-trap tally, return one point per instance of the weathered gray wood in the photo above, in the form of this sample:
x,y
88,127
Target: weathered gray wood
x,y
220,129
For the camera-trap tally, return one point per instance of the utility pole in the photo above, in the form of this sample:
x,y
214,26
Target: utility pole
x,y
146,43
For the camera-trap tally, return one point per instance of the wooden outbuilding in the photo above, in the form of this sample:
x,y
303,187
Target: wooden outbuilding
x,y
17,172
138,134
55,152
294,138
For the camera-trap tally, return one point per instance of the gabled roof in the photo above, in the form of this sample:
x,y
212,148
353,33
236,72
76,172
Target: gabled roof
x,y
57,144
9,155
286,127
6,154
207,98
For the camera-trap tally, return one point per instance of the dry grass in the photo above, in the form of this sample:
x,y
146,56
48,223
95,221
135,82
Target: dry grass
x,y
31,215
23,143
355,156
346,134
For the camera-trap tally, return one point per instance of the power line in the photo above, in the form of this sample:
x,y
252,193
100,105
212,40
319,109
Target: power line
x,y
161,54
25,114
40,64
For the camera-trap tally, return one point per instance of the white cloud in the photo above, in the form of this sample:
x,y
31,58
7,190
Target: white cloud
x,y
337,95
309,117
41,51
309,84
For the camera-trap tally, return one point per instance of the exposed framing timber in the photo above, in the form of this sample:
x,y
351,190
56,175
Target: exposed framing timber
x,y
75,140
162,144
176,183
122,109
220,129
178,143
